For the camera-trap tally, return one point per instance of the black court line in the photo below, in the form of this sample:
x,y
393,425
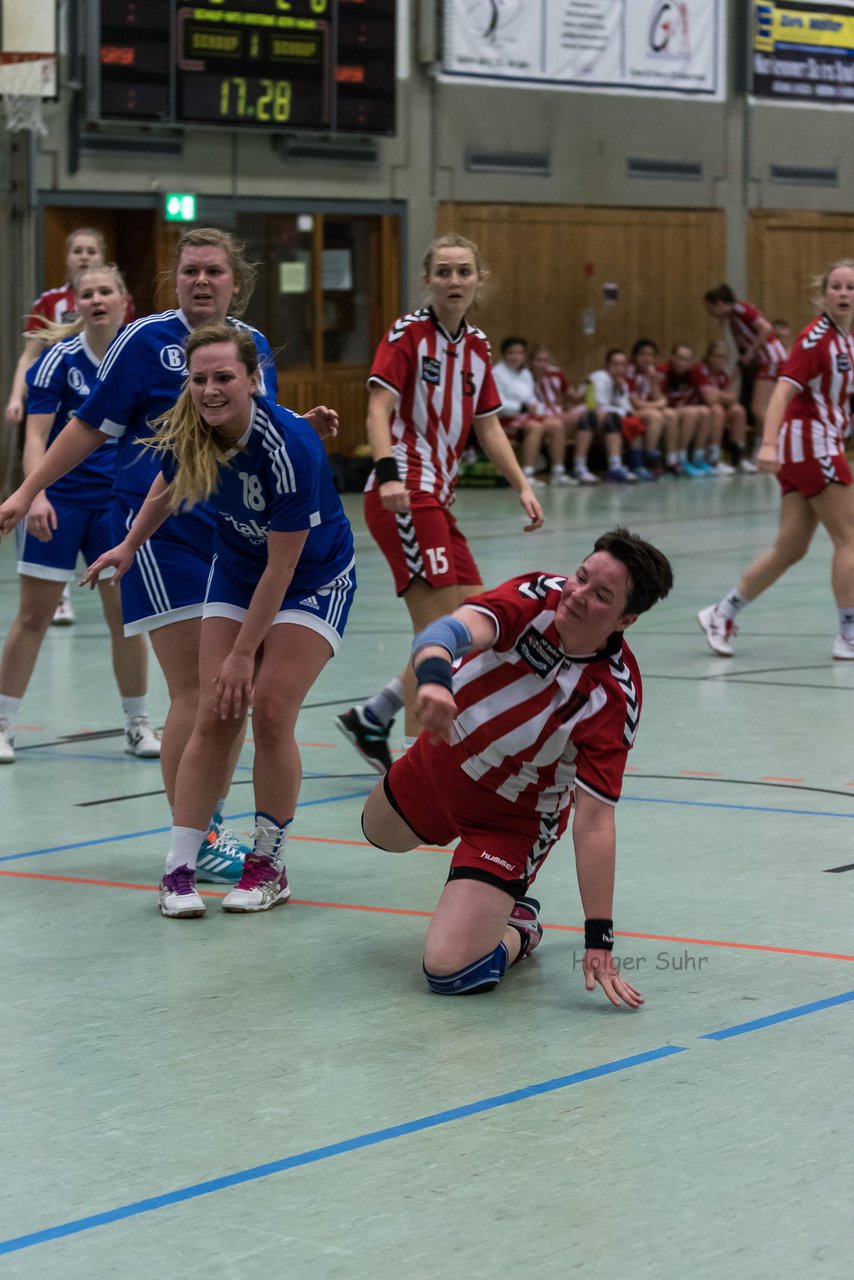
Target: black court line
x,y
764,684
742,782
849,866
236,782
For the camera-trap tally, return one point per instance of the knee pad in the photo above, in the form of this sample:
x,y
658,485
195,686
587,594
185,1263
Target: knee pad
x,y
480,976
613,424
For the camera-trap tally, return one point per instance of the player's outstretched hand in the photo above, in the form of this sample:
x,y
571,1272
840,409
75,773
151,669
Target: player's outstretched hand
x,y
435,709
532,508
599,967
41,519
234,687
13,509
393,496
119,558
324,421
766,459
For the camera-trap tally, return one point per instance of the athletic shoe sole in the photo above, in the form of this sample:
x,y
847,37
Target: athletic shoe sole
x,y
376,765
236,909
705,630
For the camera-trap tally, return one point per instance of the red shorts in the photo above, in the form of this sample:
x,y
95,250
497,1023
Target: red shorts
x,y
514,426
500,842
811,477
424,542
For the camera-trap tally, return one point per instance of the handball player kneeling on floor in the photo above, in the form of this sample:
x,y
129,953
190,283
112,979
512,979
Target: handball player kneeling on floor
x,y
530,700
278,596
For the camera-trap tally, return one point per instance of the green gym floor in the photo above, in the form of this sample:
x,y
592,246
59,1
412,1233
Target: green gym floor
x,y
247,1097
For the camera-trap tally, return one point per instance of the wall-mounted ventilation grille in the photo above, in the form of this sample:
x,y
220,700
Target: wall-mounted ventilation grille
x,y
362,151
536,163
804,175
680,170
131,144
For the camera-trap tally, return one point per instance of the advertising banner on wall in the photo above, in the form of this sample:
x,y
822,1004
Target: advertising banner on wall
x,y
803,51
670,47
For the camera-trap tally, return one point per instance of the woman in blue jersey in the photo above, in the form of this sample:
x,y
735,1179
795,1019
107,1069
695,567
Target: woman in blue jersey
x,y
277,601
141,377
73,516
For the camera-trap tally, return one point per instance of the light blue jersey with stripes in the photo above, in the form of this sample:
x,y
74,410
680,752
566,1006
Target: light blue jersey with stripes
x,y
278,480
140,377
59,383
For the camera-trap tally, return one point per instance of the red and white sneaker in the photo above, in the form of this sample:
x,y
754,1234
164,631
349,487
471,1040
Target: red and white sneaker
x,y
525,917
720,631
263,885
843,650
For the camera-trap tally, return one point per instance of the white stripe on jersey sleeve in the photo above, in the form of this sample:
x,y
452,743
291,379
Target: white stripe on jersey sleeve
x,y
118,344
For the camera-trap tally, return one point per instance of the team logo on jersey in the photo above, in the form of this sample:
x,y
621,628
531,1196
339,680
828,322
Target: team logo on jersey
x,y
172,358
431,370
539,653
77,381
843,364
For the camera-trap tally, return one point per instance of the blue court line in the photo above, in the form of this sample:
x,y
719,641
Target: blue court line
x,y
312,1156
742,1028
745,808
159,831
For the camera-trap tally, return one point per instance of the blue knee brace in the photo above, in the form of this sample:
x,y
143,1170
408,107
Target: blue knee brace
x,y
480,976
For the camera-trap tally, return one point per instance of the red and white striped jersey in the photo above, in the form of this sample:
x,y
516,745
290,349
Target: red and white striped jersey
x,y
821,366
643,384
720,378
534,722
744,324
551,389
442,382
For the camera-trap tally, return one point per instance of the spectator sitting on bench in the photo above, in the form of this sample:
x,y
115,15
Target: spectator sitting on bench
x,y
523,417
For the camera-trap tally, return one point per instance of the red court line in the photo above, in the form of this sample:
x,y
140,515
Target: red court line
x,y
771,778
697,773
408,911
365,844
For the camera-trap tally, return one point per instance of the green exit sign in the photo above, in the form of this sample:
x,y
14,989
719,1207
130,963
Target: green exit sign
x,y
179,206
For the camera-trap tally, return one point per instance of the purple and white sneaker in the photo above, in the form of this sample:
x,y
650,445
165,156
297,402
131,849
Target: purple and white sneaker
x,y
178,897
525,917
263,885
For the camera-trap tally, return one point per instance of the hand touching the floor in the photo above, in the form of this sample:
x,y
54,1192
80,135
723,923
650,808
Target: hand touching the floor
x,y
599,967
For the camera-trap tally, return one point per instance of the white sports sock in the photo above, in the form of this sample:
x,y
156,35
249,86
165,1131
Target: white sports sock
x,y
558,469
732,604
9,708
135,709
184,849
846,624
270,837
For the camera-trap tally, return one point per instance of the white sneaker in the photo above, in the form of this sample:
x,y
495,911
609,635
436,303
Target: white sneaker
x,y
724,469
747,468
178,897
141,740
562,480
843,650
719,630
64,615
534,481
262,886
7,744
583,476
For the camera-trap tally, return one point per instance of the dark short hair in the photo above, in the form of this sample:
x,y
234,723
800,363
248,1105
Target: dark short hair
x,y
611,352
650,572
641,343
723,293
507,343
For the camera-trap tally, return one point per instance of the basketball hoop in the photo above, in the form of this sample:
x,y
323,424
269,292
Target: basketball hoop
x,y
26,79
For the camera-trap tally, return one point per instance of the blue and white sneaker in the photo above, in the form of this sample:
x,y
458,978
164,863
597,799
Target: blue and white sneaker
x,y
221,856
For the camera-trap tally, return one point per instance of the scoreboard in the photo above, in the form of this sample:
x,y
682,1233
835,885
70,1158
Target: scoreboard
x,y
245,64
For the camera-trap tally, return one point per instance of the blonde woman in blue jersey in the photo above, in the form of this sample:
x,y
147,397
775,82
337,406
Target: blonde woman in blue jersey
x,y
140,377
277,601
73,516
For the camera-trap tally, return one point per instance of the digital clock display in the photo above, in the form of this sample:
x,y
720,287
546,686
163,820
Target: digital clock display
x,y
259,64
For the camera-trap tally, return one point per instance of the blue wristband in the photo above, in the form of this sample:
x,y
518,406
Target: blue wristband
x,y
435,671
448,633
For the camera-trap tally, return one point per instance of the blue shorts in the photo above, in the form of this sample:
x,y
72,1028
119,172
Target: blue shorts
x,y
324,609
167,580
79,531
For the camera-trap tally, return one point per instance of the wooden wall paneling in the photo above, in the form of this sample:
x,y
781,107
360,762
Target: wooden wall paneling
x,y
343,391
548,265
786,249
